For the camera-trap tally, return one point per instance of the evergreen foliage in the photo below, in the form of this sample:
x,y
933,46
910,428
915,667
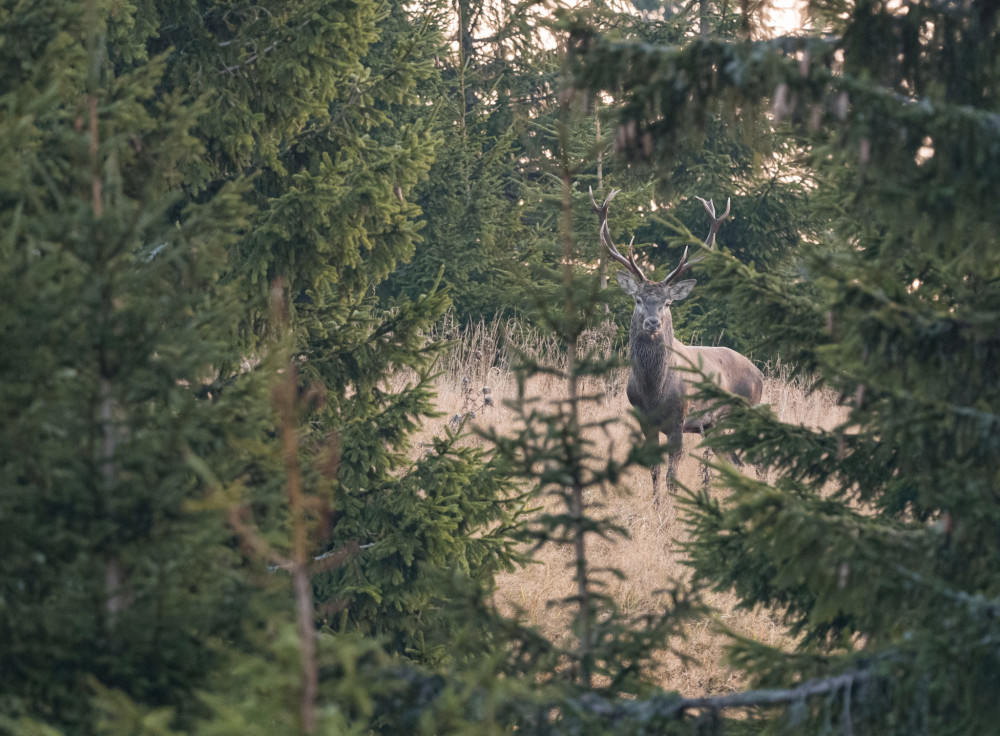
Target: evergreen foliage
x,y
170,169
877,539
333,165
206,203
723,156
113,317
555,451
496,77
489,201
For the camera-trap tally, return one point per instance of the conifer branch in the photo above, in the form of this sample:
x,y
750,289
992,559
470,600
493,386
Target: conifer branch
x,y
94,147
976,603
254,542
774,696
327,560
231,70
674,707
577,503
115,600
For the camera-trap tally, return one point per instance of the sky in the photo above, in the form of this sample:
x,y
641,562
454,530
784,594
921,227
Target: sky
x,y
785,16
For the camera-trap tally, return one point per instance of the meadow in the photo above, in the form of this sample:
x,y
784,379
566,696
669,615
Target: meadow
x,y
476,376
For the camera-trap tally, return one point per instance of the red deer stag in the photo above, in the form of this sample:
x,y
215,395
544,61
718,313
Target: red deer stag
x,y
657,387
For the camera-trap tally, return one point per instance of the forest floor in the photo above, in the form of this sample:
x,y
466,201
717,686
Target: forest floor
x,y
650,557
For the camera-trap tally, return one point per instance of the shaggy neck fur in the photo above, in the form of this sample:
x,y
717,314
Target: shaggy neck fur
x,y
650,355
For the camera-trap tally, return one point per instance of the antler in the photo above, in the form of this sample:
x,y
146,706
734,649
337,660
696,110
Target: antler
x,y
716,221
684,266
605,233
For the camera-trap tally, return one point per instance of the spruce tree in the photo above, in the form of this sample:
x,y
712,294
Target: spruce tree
x,y
114,318
876,538
495,77
170,168
758,168
328,112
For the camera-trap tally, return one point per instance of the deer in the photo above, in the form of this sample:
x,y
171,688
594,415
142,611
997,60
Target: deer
x,y
663,370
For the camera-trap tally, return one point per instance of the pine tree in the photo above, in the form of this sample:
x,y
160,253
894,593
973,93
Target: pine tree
x,y
876,540
556,452
719,158
114,318
169,168
495,76
327,112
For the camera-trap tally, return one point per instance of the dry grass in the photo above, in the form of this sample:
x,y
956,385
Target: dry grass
x,y
650,557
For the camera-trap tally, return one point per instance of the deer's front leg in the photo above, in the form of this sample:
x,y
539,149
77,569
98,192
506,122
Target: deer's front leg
x,y
652,434
675,443
655,473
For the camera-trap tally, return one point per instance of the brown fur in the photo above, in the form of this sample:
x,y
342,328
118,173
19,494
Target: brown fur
x,y
659,388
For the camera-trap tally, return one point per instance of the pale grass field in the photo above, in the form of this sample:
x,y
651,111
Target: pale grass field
x,y
650,558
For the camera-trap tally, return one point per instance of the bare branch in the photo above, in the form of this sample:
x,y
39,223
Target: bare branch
x,y
232,70
775,696
976,603
325,561
667,706
252,540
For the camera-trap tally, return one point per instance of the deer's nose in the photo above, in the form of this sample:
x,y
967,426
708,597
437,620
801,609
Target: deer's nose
x,y
652,324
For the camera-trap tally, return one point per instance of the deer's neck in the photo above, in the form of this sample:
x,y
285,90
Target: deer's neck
x,y
651,356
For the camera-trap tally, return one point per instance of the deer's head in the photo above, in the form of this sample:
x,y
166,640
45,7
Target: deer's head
x,y
653,298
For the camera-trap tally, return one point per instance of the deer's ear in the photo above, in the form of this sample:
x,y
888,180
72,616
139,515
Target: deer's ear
x,y
681,289
627,283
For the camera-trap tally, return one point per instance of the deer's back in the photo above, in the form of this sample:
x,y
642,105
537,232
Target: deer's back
x,y
731,371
